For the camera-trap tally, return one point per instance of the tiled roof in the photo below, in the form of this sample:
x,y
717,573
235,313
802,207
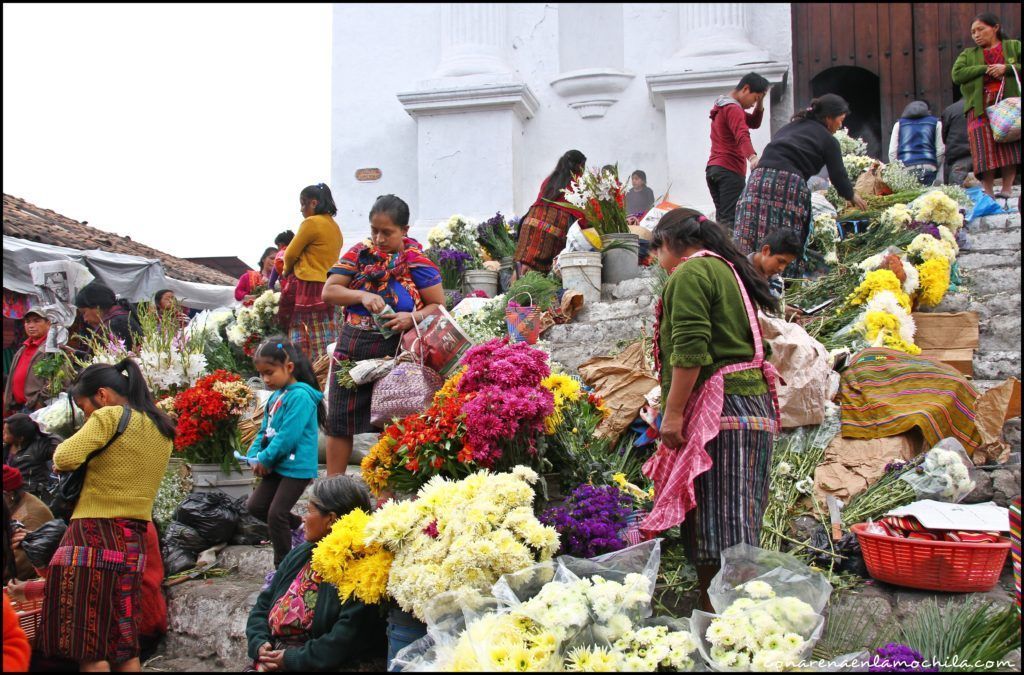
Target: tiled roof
x,y
232,266
28,221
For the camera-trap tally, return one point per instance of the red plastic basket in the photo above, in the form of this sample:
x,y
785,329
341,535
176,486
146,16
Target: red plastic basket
x,y
932,565
30,615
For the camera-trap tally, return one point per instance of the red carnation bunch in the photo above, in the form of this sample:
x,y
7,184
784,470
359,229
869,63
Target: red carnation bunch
x,y
208,415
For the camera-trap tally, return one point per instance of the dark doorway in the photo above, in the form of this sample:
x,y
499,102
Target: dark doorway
x,y
861,89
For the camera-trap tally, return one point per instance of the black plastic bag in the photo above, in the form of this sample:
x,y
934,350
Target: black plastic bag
x,y
251,530
177,559
179,535
40,544
212,514
850,559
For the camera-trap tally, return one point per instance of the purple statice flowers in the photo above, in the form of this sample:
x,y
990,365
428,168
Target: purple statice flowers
x,y
590,521
897,658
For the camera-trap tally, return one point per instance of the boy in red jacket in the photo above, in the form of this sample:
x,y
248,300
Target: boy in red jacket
x,y
731,149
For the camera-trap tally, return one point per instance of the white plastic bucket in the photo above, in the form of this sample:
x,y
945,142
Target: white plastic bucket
x,y
581,271
482,280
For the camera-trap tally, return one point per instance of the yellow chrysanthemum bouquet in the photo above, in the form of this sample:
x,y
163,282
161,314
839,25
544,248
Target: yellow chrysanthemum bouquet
x,y
356,568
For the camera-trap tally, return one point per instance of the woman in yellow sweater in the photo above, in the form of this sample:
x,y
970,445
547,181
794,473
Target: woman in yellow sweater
x,y
303,313
92,595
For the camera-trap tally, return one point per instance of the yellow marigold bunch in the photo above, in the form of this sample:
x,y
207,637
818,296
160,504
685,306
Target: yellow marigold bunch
x,y
376,466
344,559
875,282
934,281
450,388
564,389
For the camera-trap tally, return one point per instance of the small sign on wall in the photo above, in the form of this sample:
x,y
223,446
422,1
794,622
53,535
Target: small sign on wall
x,y
368,175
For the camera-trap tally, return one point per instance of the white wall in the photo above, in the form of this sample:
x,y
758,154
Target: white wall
x,y
380,50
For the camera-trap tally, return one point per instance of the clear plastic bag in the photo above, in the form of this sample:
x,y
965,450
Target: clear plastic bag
x,y
59,417
944,474
787,576
701,621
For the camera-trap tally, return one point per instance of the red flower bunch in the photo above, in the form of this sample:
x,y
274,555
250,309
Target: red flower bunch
x,y
207,422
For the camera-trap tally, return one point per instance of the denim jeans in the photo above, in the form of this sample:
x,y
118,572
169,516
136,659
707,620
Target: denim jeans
x,y
400,637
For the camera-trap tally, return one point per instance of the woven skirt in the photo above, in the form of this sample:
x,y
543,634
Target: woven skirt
x,y
93,591
773,199
986,153
348,410
312,325
542,236
732,495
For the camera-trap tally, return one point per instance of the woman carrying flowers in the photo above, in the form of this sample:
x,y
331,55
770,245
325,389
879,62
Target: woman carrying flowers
x,y
299,623
719,410
543,229
310,254
389,270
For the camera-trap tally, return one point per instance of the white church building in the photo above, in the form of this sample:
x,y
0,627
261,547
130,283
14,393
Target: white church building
x,y
465,108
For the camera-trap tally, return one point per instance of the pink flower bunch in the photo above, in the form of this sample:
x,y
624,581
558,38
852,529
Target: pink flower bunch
x,y
499,413
498,363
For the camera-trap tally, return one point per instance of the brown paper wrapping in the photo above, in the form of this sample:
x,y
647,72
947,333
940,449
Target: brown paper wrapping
x,y
802,363
623,381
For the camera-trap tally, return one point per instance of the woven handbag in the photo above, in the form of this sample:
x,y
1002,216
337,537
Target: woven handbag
x,y
524,323
408,389
1004,114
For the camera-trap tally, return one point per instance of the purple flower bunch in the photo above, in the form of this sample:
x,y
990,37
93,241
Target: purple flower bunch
x,y
897,658
926,228
590,521
452,298
493,235
453,258
504,365
896,467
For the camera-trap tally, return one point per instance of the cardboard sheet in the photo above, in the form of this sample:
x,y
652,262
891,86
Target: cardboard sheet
x,y
991,412
851,465
935,515
946,330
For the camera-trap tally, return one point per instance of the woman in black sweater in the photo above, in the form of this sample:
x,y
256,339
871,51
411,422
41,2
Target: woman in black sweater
x,y
776,195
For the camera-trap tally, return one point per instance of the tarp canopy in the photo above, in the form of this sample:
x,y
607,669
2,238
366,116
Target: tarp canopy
x,y
133,278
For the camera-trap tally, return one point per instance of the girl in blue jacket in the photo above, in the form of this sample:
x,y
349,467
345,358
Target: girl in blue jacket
x,y
284,452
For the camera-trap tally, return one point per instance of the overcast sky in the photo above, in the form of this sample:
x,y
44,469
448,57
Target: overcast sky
x,y
191,128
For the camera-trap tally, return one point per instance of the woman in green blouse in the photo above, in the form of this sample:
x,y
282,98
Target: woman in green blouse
x,y
719,415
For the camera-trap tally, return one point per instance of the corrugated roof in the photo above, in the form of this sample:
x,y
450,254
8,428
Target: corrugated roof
x,y
28,221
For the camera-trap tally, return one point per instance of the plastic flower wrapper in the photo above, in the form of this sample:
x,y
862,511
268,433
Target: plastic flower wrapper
x,y
206,325
943,475
57,416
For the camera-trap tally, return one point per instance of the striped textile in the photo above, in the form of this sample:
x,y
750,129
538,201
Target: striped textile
x,y
677,472
348,410
1015,544
93,591
886,392
314,332
773,199
731,497
542,234
986,153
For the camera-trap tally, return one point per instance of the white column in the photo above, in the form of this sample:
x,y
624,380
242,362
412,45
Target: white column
x,y
715,35
474,39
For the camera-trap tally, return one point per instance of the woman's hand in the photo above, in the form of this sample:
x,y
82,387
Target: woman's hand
x,y
18,535
403,321
260,470
272,659
997,70
672,432
859,202
16,591
373,303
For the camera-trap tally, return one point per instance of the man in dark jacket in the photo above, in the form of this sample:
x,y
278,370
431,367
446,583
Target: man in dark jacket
x,y
916,141
958,149
731,149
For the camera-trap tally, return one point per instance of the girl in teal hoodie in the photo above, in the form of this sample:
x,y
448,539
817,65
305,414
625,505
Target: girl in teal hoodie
x,y
284,453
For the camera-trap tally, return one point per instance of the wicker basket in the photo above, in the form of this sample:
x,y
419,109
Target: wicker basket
x,y
30,616
955,567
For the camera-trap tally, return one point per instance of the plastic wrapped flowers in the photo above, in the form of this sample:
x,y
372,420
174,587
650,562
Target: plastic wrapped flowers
x,y
460,536
769,608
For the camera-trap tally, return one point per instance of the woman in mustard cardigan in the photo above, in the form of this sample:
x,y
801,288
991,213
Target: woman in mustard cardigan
x,y
314,249
94,582
980,71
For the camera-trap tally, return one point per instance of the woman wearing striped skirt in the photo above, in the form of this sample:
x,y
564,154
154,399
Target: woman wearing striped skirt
x,y
544,228
776,195
303,313
981,71
719,411
93,594
389,270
